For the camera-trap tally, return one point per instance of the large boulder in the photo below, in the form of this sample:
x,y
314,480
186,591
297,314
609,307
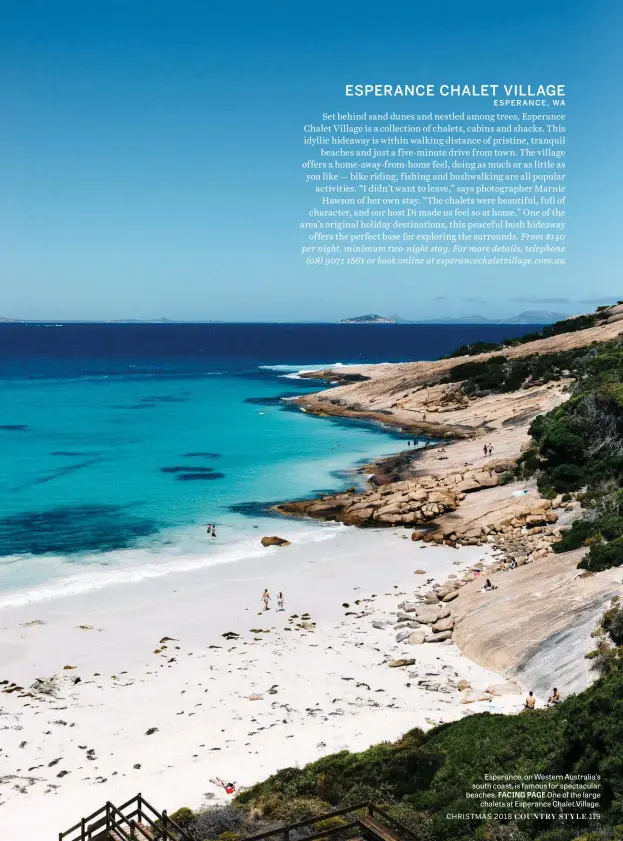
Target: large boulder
x,y
485,480
446,624
446,588
275,541
443,635
417,637
450,596
428,614
402,635
412,625
468,485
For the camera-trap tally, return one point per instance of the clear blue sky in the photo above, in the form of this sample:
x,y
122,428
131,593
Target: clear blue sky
x,y
150,151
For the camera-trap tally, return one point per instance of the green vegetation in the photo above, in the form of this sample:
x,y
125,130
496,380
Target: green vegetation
x,y
424,776
569,325
183,817
608,655
578,448
500,374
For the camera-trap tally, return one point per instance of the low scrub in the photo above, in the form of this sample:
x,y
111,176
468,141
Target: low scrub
x,y
567,325
425,776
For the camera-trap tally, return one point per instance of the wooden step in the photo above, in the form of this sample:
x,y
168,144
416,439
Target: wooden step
x,y
377,829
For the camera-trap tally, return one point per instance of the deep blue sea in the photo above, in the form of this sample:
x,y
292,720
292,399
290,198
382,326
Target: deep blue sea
x,y
120,442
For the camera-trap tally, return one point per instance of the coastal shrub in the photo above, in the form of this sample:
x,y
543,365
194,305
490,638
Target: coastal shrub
x,y
183,817
612,622
567,325
576,537
211,822
293,809
430,773
603,556
605,659
501,374
474,348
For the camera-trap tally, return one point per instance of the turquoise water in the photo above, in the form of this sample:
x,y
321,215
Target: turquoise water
x,y
119,443
102,473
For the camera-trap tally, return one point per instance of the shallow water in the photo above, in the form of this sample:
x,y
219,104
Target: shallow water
x,y
119,443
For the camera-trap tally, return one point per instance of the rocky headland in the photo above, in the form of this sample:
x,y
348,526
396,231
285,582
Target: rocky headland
x,y
463,488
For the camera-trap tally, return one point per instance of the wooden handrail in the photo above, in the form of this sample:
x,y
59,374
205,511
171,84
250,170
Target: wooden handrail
x,y
133,826
335,814
389,819
333,831
122,820
168,820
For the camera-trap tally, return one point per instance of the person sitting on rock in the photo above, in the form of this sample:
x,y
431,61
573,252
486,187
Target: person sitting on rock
x,y
554,698
530,701
489,585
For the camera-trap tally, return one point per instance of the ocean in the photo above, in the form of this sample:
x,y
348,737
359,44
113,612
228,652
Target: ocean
x,y
119,443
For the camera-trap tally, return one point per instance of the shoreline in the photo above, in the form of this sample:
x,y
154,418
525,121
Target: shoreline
x,y
322,687
151,670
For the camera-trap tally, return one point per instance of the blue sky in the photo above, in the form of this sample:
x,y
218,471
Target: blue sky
x,y
150,152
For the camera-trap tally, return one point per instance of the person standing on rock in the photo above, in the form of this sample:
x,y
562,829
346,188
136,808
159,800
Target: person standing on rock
x,y
265,599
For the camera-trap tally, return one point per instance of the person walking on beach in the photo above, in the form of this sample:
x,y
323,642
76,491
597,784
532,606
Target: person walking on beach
x,y
280,601
213,531
265,599
485,450
490,450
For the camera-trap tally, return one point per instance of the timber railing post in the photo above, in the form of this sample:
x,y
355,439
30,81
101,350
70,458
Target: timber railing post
x,y
371,809
286,834
165,833
140,811
82,830
132,830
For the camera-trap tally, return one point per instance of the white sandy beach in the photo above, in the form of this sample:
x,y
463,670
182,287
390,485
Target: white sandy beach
x,y
321,688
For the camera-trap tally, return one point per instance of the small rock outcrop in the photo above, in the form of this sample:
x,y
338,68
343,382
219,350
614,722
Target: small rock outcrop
x,y
404,503
275,541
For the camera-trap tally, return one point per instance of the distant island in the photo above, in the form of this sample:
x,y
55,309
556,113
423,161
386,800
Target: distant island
x,y
372,318
526,317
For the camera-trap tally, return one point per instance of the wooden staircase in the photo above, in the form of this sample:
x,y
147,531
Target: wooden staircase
x,y
137,820
134,820
362,822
